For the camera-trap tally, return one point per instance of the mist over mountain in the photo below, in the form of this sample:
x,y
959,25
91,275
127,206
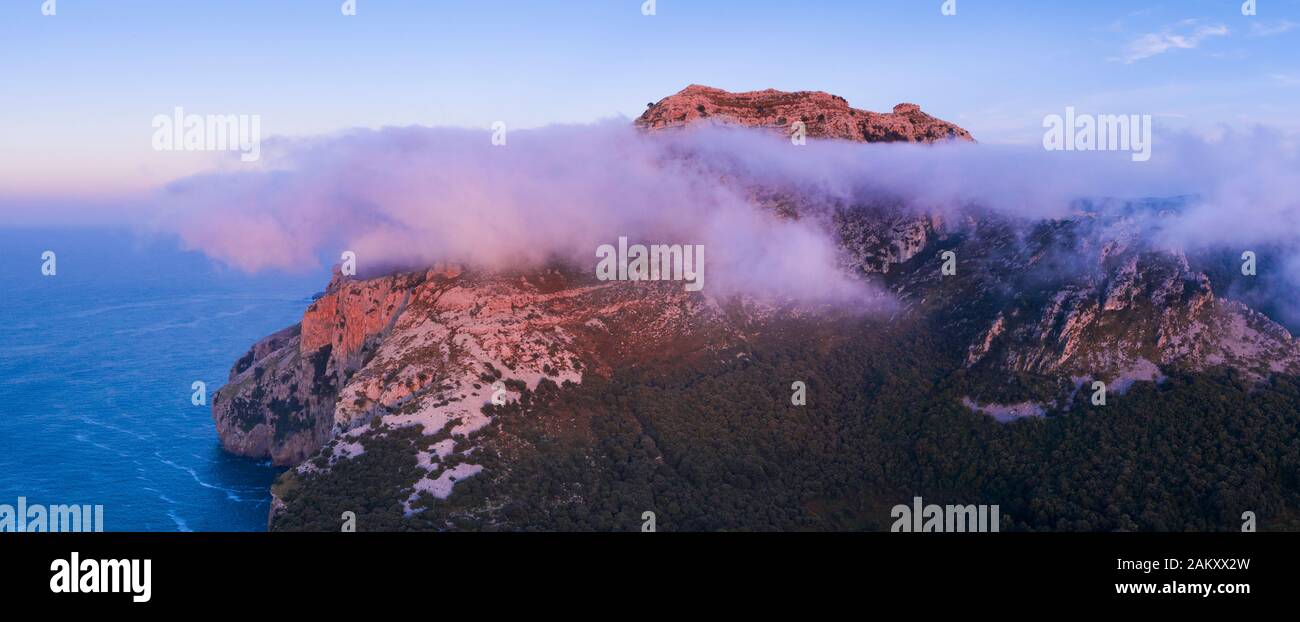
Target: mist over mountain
x,y
412,197
477,347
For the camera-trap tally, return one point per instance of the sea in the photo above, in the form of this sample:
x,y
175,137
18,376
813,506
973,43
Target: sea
x,y
97,369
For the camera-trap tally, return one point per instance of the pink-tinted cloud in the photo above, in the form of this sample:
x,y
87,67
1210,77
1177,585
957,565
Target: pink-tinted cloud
x,y
407,197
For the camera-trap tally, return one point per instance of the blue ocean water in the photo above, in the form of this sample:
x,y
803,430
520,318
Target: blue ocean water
x,y
96,367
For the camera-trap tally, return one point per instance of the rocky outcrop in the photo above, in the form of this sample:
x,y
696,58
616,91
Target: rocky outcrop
x,y
876,239
823,115
431,349
1092,297
280,399
877,236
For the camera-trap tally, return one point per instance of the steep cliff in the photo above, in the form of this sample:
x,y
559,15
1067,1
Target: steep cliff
x,y
280,399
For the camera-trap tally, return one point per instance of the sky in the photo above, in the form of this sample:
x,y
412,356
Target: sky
x,y
79,89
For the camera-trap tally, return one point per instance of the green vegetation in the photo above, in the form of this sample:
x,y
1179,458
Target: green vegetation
x,y
718,446
373,485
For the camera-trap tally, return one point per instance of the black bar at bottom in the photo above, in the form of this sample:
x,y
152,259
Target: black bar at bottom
x,y
244,571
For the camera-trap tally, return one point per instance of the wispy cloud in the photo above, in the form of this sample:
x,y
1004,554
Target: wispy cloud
x,y
1270,29
1121,24
1184,35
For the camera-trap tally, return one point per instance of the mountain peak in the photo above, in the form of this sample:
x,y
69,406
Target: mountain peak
x,y
825,115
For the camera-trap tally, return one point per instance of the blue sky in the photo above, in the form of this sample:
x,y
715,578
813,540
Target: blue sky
x,y
78,90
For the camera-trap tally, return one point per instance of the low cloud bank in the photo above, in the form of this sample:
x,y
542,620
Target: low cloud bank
x,y
406,197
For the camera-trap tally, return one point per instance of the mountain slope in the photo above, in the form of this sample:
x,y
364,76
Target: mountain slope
x,y
383,397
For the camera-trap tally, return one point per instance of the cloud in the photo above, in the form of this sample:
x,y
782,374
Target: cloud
x,y
1271,29
410,197
1184,35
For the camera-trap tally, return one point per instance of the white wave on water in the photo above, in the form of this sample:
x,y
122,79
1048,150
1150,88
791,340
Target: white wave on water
x,y
181,525
245,309
84,438
230,494
157,328
160,494
108,426
194,323
98,310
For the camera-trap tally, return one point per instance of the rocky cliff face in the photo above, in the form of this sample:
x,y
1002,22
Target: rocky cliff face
x,y
1091,297
824,115
281,397
431,351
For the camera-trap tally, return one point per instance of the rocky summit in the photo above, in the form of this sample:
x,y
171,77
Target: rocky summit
x,y
823,115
